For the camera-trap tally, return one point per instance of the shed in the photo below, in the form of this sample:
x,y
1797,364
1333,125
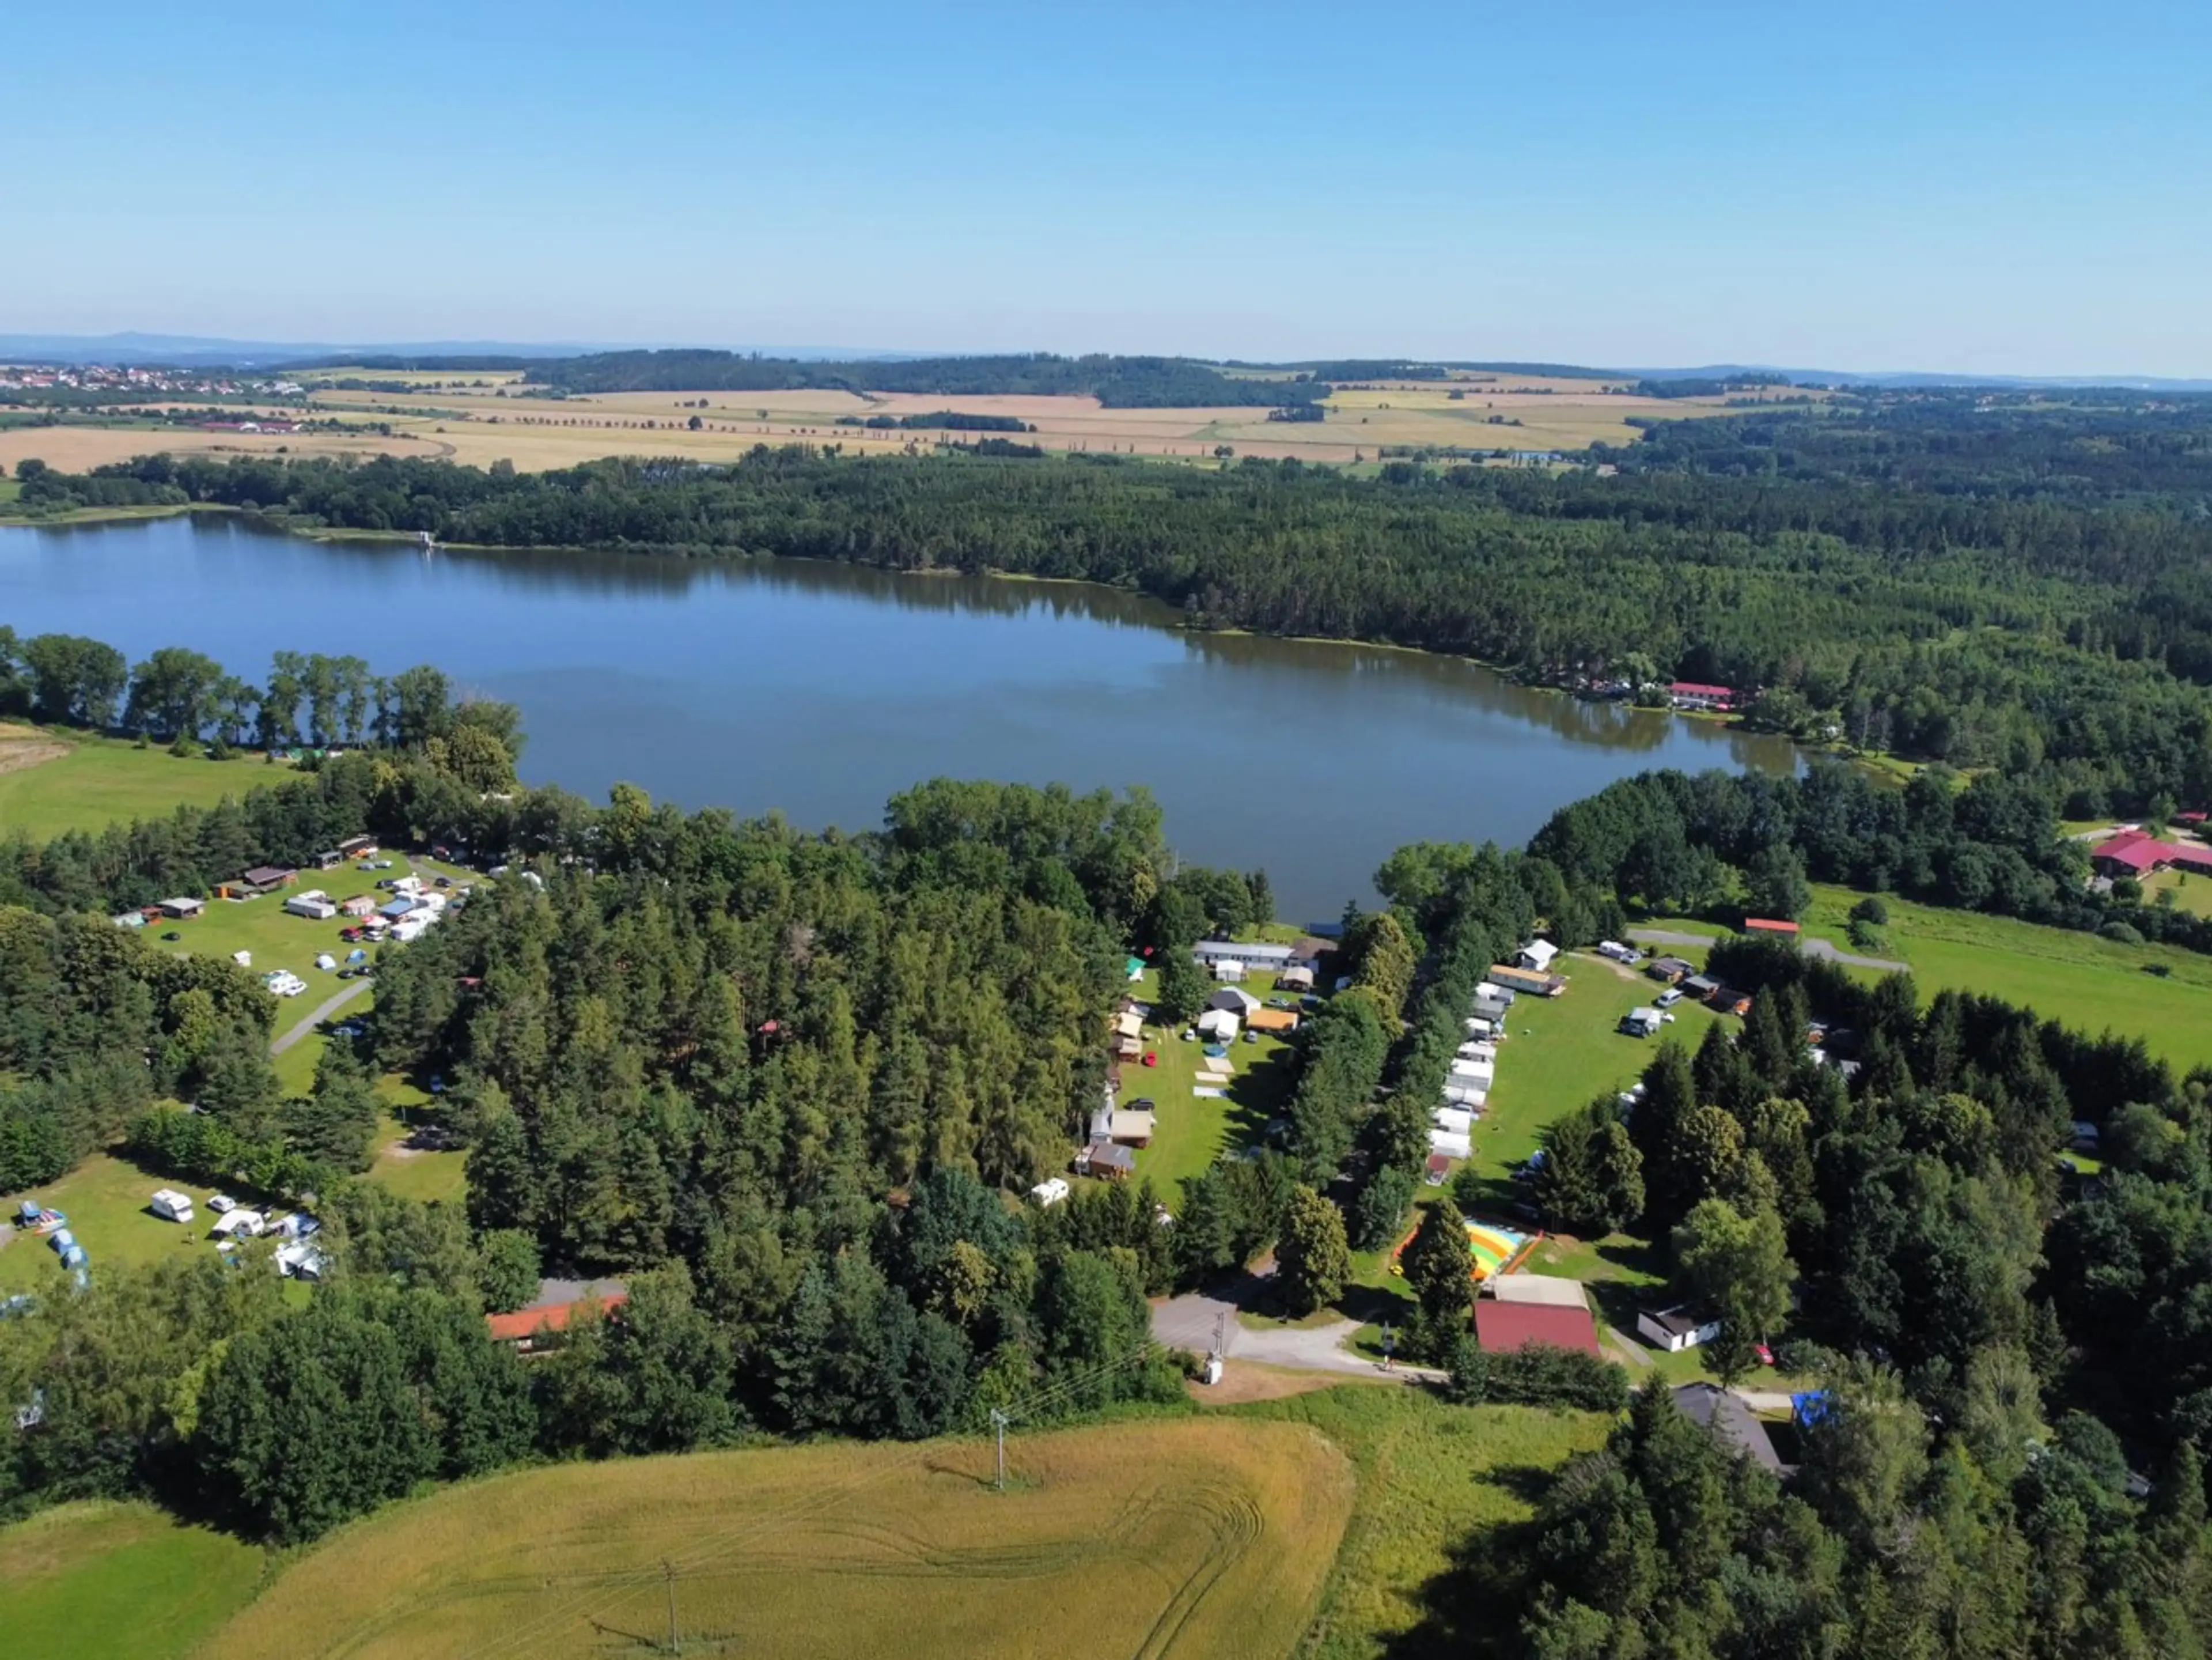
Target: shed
x,y
1541,1289
1526,979
1502,1328
1275,1020
262,877
1295,978
1237,1002
358,847
1129,1024
1677,1329
1537,956
1131,1128
1218,1023
1439,1169
1106,1161
1699,986
1227,971
182,910
1666,969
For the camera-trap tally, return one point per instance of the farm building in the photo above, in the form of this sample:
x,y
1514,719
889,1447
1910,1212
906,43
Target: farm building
x,y
1723,1415
316,906
1238,1003
2138,854
1541,1289
1677,1329
1538,956
1275,1020
1666,969
182,910
1502,1327
1245,953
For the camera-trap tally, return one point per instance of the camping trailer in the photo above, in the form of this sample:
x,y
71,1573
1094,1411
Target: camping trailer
x,y
171,1205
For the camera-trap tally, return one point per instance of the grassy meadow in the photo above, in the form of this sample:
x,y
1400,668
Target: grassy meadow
x,y
1192,1131
1199,1536
51,781
101,1581
105,1200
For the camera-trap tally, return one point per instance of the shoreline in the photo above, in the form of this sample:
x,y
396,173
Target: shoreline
x,y
1880,765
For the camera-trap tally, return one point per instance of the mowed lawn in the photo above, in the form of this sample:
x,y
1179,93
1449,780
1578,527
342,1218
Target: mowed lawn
x,y
105,1198
1192,1131
1197,1536
2090,984
94,783
100,1581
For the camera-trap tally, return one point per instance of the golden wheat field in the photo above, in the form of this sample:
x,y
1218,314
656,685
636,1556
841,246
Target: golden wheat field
x,y
1185,1538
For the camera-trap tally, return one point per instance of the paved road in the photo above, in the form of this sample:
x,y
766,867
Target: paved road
x,y
1189,1322
1811,948
330,1006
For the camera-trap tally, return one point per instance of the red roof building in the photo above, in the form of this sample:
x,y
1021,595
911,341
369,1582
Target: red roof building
x,y
1696,694
1768,925
2135,852
1502,1327
525,1326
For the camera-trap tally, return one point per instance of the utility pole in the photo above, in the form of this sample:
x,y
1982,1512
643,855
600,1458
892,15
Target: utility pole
x,y
675,1635
998,1423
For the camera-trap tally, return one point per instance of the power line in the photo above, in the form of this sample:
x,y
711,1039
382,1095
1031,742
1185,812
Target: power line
x,y
627,1586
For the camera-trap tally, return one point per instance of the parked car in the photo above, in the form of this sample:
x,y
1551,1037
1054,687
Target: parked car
x,y
444,881
1668,998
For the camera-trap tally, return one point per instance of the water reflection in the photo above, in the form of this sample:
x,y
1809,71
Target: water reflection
x,y
823,688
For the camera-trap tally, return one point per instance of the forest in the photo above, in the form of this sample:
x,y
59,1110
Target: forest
x,y
2056,623
1116,382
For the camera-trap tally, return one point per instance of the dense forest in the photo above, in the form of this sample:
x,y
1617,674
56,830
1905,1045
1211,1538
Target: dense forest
x,y
2061,630
1116,382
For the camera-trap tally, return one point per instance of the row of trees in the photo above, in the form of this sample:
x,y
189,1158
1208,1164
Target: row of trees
x,y
179,695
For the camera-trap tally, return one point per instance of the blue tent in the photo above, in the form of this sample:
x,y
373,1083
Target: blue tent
x,y
356,955
62,1241
73,1257
1809,1407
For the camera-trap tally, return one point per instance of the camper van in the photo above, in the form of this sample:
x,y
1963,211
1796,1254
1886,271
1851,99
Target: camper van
x,y
171,1205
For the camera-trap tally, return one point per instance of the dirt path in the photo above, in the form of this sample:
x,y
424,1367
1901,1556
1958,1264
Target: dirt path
x,y
1811,948
1190,1321
329,1006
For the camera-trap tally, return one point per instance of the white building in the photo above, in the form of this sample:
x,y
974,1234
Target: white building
x,y
1218,1023
1677,1329
1250,953
1537,955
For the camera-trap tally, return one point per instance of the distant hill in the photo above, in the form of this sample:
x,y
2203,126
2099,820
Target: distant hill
x,y
211,351
1116,382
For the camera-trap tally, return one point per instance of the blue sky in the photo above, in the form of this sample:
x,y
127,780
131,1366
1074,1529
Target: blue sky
x,y
1948,185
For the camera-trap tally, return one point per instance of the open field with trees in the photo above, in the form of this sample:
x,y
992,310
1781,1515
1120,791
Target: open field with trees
x,y
1209,1537
52,780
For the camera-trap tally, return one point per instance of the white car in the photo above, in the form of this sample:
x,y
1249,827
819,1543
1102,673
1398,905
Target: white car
x,y
1668,998
221,1202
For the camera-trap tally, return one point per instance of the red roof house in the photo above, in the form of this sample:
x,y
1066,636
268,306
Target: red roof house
x,y
526,1326
1768,925
1502,1327
2136,853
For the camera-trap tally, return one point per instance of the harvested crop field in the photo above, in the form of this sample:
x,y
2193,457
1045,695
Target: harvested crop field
x,y
1188,1537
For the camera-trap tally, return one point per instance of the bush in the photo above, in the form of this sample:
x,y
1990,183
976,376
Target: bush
x,y
2119,933
1871,910
1537,1375
1865,936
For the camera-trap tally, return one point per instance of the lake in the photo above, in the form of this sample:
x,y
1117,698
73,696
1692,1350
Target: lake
x,y
823,688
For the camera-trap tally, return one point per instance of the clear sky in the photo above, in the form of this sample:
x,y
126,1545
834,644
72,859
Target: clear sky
x,y
1943,185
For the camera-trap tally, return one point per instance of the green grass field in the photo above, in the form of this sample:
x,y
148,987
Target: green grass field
x,y
1195,1536
1192,1131
98,1581
99,782
105,1199
2093,985
1412,1577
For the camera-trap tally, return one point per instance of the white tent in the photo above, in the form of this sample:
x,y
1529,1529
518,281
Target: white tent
x,y
1476,1026
327,961
1480,1072
1452,1146
1465,1095
1478,1051
1218,1023
1456,1119
1225,971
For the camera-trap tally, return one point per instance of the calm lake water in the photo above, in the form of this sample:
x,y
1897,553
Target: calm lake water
x,y
822,689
